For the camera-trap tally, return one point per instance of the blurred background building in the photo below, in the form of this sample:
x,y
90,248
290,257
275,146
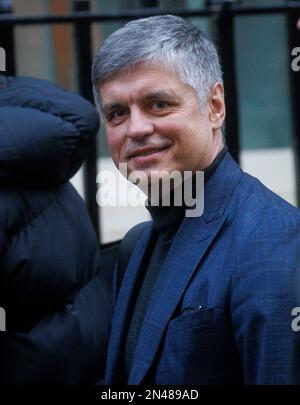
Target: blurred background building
x,y
266,114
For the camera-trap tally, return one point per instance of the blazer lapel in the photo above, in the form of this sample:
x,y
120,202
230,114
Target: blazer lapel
x,y
122,308
188,248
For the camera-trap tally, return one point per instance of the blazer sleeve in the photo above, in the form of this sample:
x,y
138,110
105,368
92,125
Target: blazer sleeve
x,y
263,295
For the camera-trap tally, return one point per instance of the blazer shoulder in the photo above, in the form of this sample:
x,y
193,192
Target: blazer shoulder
x,y
257,213
261,200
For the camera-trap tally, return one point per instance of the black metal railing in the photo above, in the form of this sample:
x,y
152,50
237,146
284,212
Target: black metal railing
x,y
223,12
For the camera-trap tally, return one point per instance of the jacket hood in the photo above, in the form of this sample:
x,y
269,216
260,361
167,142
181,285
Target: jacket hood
x,y
45,131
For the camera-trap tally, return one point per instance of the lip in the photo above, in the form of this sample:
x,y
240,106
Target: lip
x,y
145,155
147,151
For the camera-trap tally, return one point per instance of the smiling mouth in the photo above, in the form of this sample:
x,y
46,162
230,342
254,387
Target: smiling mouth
x,y
148,152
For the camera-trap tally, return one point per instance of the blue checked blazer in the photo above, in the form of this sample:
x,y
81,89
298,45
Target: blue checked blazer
x,y
221,309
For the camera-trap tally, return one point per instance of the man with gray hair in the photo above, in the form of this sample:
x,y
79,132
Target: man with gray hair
x,y
205,299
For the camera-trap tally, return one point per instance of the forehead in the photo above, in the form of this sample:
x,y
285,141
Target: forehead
x,y
142,80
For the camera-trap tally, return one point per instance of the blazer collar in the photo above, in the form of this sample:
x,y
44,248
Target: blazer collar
x,y
220,187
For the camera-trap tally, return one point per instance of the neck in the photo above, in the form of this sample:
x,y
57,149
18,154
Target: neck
x,y
217,146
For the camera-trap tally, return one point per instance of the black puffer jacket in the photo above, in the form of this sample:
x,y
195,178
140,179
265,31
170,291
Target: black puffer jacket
x,y
57,321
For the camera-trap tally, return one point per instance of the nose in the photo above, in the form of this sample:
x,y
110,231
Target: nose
x,y
138,125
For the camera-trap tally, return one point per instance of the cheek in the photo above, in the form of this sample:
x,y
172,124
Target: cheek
x,y
114,142
170,128
180,132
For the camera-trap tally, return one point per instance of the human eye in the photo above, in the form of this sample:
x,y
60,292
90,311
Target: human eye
x,y
160,105
116,115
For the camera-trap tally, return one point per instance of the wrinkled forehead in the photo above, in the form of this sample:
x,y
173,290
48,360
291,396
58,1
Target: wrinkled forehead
x,y
139,69
141,80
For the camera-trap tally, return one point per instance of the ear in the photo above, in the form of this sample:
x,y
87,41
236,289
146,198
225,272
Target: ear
x,y
216,106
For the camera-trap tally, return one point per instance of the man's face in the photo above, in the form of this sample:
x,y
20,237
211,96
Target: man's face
x,y
153,122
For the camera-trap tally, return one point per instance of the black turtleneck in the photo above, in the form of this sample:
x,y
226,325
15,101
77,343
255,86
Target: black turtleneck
x,y
167,220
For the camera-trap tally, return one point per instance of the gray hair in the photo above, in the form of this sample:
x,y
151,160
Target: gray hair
x,y
169,41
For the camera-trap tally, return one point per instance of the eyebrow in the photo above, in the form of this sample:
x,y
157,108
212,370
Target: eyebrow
x,y
154,95
160,95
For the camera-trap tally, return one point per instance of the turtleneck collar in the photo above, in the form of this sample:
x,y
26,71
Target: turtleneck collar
x,y
171,216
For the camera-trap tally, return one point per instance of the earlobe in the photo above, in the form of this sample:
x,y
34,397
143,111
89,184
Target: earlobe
x,y
217,106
